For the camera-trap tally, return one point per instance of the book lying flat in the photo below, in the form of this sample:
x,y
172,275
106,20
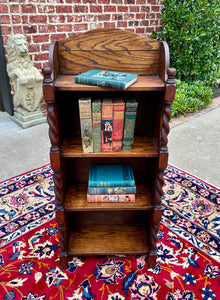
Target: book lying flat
x,y
112,190
111,176
111,198
113,79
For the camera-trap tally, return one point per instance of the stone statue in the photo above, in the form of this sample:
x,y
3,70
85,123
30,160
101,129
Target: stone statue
x,y
26,79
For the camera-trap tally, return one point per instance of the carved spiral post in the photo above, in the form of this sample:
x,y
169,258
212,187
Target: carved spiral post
x,y
49,96
163,160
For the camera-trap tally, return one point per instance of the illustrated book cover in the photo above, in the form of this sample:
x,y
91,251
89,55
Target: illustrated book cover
x,y
111,176
96,123
111,198
112,190
86,124
105,78
107,124
118,124
129,124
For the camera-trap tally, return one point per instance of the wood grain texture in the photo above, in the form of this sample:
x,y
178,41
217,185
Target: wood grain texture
x,y
143,147
144,83
111,49
75,199
108,240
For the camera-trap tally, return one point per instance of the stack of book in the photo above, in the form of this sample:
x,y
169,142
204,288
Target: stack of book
x,y
111,183
107,124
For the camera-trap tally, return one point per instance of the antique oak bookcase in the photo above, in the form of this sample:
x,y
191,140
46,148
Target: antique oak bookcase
x,y
108,228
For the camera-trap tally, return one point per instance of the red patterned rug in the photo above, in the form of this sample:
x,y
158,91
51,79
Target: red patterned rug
x,y
188,248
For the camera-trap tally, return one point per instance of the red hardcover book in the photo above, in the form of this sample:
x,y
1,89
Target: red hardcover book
x,y
118,124
126,198
107,124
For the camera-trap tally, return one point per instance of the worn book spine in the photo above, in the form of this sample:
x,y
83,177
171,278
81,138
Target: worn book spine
x,y
129,124
111,198
118,124
111,176
112,190
96,123
86,124
107,124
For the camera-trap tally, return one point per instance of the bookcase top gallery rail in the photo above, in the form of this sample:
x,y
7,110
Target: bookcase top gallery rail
x,y
109,49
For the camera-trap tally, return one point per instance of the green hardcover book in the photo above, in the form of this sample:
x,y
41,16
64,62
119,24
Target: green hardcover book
x,y
129,124
96,124
85,112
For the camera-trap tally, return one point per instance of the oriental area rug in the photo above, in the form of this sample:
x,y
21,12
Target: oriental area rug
x,y
188,247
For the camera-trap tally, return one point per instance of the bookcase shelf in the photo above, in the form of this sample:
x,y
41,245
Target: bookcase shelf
x,y
108,228
143,147
108,240
75,199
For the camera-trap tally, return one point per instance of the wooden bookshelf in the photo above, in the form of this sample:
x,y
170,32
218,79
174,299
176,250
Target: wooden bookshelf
x,y
108,228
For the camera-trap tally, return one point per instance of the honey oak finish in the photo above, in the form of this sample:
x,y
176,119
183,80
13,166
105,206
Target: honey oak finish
x,y
108,228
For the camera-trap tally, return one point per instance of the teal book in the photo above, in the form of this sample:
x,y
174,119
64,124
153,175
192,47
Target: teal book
x,y
129,124
111,176
96,124
85,113
113,79
112,190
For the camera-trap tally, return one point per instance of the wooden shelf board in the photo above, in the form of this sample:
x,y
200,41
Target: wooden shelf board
x,y
108,240
142,147
76,200
144,83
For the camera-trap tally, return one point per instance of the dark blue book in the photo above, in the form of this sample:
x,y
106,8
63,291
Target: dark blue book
x,y
113,79
111,176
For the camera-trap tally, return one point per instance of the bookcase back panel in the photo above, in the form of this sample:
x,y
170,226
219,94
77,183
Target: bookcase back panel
x,y
147,112
113,49
108,218
78,168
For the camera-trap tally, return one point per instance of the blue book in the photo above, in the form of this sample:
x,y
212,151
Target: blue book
x,y
112,190
111,176
114,79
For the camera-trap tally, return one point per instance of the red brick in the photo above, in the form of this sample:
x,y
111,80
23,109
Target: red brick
x,y
129,17
16,19
3,9
144,23
80,27
155,8
40,56
29,29
17,29
103,1
41,38
14,8
149,29
28,9
68,9
45,8
34,48
138,2
122,8
133,8
58,36
56,19
145,9
95,9
64,28
80,9
152,1
104,17
38,19
46,28
140,16
140,30
117,17
45,47
109,8
129,2
24,19
122,24
6,30
109,25
5,19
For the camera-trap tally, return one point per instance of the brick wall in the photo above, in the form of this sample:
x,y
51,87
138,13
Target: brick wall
x,y
46,20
